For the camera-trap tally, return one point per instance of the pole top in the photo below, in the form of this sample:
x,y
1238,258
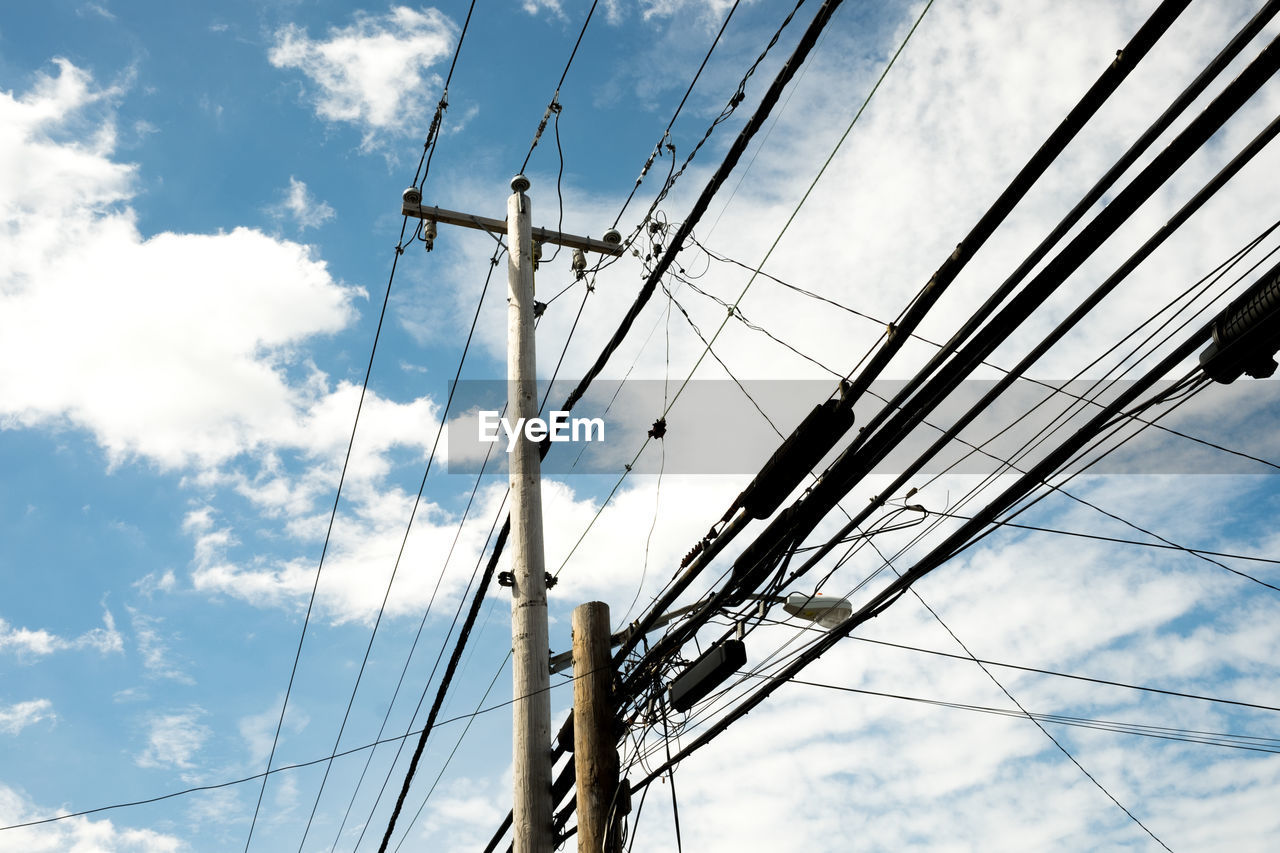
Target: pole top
x,y
519,184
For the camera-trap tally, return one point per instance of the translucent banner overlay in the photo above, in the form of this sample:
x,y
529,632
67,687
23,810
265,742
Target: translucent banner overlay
x,y
721,427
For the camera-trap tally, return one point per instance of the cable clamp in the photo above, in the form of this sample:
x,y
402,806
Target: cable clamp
x,y
550,579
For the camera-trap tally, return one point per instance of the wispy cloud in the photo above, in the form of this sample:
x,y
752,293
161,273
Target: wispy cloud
x,y
156,657
14,718
174,739
302,207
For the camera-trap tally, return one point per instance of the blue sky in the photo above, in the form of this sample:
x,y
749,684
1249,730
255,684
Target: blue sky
x,y
201,206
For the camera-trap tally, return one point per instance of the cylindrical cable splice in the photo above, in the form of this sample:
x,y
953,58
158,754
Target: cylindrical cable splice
x,y
799,453
1246,334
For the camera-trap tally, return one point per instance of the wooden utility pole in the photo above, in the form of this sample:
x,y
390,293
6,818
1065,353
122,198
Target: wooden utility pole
x,y
529,643
595,756
532,807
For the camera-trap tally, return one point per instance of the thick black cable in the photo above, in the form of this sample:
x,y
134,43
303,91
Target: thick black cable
x,y
1125,60
409,827
1128,58
671,778
1093,99
852,464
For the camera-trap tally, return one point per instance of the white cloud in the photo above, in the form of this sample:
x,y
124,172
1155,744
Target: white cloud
x,y
551,7
74,834
190,361
370,72
174,739
26,643
183,359
14,718
304,208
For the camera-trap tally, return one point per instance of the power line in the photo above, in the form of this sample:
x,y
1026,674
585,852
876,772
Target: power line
x,y
554,105
807,512
433,133
657,149
454,751
1220,739
816,27
281,769
333,514
468,624
492,264
404,541
1038,724
1081,535
985,363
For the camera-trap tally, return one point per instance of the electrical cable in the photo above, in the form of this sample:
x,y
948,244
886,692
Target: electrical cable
x,y
433,133
852,464
1038,724
657,149
448,674
1220,739
333,514
986,363
873,544
412,648
1138,46
1041,671
802,49
554,105
671,778
468,624
444,417
1125,61
281,769
453,752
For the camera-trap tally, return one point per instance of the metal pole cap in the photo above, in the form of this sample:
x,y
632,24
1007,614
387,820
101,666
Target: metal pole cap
x,y
519,184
